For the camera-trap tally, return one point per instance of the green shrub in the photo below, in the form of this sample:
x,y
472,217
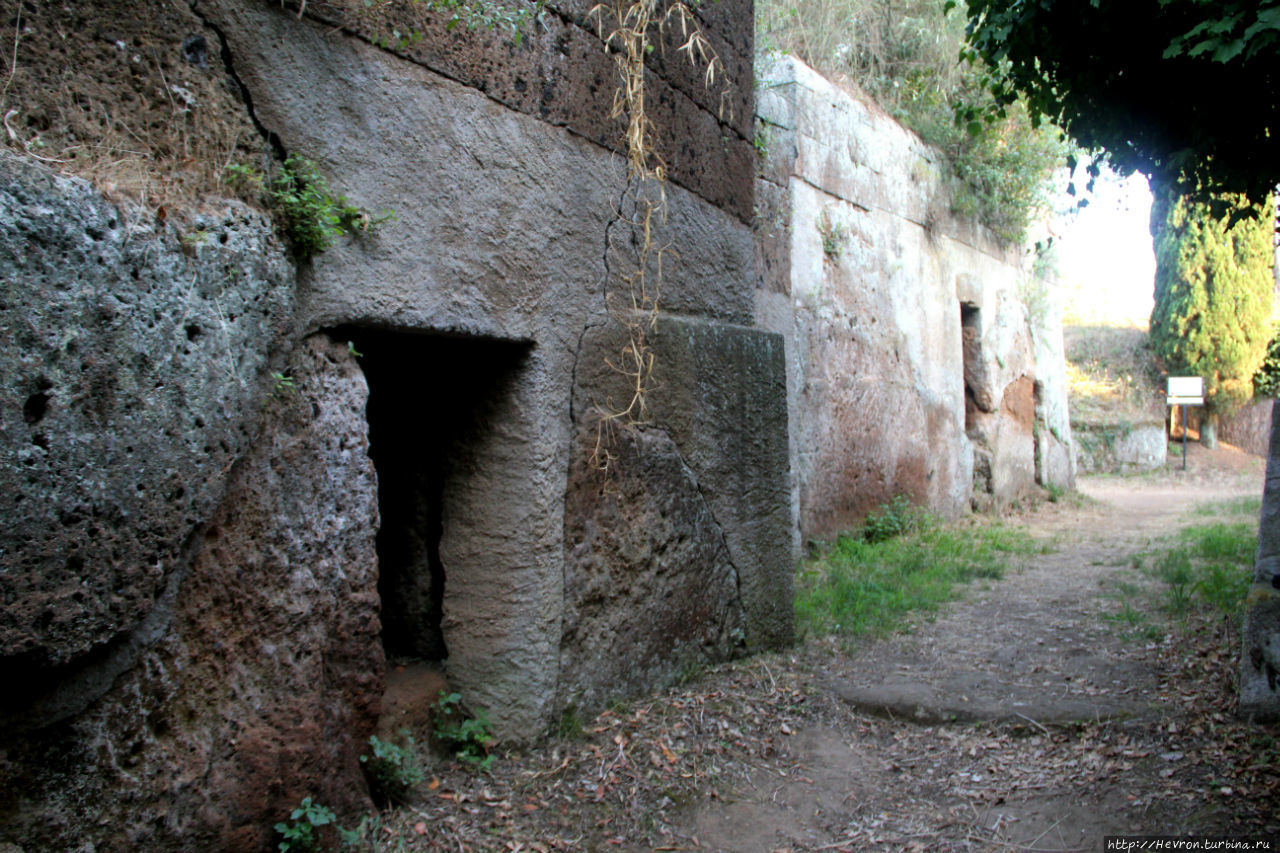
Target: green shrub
x,y
300,835
1266,382
1213,294
467,736
895,518
905,54
393,769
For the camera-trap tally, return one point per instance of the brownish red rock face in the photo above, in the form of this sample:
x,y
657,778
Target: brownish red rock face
x,y
268,681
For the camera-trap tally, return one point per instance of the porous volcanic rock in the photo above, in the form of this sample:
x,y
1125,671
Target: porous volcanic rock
x,y
133,356
268,682
649,585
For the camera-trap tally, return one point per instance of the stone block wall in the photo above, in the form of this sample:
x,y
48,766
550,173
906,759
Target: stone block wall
x,y
1121,448
1250,428
913,363
276,449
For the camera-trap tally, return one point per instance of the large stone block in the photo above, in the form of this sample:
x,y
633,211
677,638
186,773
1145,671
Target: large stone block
x,y
1003,441
1121,447
731,437
649,585
561,73
133,368
1055,448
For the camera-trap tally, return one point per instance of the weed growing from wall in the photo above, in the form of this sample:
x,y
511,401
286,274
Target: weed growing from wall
x,y
627,28
833,237
310,215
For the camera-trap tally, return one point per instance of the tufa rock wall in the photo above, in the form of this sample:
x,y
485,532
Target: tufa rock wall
x,y
1260,658
1250,428
268,678
1121,447
914,366
133,374
240,486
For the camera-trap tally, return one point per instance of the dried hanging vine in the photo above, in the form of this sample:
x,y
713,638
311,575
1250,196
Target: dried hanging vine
x,y
626,27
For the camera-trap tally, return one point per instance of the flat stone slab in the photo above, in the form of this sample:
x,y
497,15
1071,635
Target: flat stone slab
x,y
972,697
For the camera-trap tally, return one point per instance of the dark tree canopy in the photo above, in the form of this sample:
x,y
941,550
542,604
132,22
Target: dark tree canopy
x,y
1185,89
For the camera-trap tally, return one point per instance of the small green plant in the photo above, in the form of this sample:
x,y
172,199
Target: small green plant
x,y
833,236
763,139
690,671
468,737
1174,568
1225,587
196,238
312,217
366,835
571,726
1056,492
284,384
245,179
392,768
300,834
892,519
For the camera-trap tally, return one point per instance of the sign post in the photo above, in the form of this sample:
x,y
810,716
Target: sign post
x,y
1184,391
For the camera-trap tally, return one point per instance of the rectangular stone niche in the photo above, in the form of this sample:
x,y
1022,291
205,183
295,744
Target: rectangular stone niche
x,y
433,399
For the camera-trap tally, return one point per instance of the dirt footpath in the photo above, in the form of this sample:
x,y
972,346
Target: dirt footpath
x,y
1021,718
1029,716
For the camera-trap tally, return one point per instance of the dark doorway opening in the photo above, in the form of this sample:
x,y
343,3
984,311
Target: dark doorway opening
x,y
971,339
431,398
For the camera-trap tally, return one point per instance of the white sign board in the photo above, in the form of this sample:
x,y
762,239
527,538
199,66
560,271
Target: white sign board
x,y
1185,391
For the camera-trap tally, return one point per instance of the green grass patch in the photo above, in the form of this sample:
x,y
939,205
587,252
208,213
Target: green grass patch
x,y
1133,622
1250,507
860,587
1207,568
